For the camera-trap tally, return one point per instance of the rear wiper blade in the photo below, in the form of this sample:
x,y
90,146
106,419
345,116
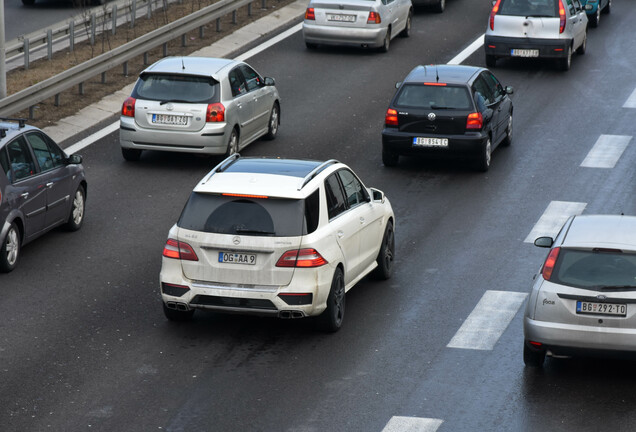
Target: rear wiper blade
x,y
440,107
253,231
173,100
540,16
616,287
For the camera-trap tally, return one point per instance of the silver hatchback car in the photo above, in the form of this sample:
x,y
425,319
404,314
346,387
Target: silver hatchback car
x,y
198,105
584,297
536,28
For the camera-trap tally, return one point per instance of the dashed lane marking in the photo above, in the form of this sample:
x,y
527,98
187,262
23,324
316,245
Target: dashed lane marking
x,y
487,322
553,219
412,424
606,152
631,101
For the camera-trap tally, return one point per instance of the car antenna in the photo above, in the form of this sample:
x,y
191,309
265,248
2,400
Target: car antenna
x,y
182,64
436,73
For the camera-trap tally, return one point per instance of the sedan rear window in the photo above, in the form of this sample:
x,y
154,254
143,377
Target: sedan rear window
x,y
433,97
595,269
221,214
529,8
177,88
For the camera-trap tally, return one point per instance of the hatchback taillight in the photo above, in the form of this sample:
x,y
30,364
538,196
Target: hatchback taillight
x,y
493,12
128,108
374,18
391,117
550,261
474,121
561,17
215,113
310,14
179,250
301,258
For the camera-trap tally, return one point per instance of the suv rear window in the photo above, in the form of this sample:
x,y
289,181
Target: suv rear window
x,y
529,8
221,214
177,88
433,97
595,269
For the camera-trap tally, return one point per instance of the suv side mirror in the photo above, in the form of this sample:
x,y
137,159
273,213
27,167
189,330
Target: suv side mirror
x,y
509,90
269,81
74,159
544,242
377,195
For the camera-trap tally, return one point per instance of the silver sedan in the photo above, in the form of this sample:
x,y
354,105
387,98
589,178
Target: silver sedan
x,y
365,23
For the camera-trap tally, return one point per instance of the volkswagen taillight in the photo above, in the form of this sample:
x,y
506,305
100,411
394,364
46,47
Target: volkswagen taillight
x,y
474,121
215,113
391,117
301,258
374,18
310,14
179,250
128,108
550,261
493,12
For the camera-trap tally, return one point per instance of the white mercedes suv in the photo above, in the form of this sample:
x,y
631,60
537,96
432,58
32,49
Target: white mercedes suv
x,y
278,237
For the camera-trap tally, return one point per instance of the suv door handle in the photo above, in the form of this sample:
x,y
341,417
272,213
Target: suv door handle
x,y
361,220
49,184
340,234
25,195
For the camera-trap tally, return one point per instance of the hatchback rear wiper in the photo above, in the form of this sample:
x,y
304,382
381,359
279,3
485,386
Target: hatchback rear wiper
x,y
440,107
615,287
253,231
540,16
173,100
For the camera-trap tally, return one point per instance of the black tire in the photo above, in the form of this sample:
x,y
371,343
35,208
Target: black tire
x,y
274,122
566,62
491,61
389,158
507,141
232,144
311,46
440,6
10,249
131,155
594,19
387,41
581,50
28,2
608,8
533,357
177,315
78,206
485,155
331,319
407,30
385,258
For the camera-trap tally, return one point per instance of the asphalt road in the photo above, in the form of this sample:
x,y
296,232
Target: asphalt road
x,y
84,344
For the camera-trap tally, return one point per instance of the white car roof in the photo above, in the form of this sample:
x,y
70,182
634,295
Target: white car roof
x,y
199,66
602,231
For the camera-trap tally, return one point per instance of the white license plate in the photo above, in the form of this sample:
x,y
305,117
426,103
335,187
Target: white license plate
x,y
594,308
524,52
237,258
341,18
168,119
430,142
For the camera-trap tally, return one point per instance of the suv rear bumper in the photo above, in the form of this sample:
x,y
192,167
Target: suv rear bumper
x,y
501,46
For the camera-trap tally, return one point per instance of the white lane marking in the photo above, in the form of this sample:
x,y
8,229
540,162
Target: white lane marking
x,y
487,322
468,51
606,152
631,101
412,424
553,219
269,43
92,138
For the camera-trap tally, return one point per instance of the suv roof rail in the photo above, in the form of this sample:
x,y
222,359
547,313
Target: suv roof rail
x,y
225,164
313,173
21,121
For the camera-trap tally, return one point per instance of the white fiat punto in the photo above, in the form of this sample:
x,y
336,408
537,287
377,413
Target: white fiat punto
x,y
276,237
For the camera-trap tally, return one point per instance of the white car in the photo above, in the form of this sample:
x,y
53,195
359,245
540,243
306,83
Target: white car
x,y
276,237
362,23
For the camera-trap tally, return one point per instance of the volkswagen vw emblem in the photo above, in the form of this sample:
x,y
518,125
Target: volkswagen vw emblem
x,y
431,116
169,107
236,240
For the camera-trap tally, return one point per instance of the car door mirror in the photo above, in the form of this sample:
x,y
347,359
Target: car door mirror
x,y
509,90
269,81
377,195
544,242
398,84
74,159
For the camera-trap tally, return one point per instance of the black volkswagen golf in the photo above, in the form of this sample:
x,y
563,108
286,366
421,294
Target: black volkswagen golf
x,y
40,188
448,110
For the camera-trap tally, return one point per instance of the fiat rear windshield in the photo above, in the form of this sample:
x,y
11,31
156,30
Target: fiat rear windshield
x,y
435,97
177,88
529,8
595,269
244,215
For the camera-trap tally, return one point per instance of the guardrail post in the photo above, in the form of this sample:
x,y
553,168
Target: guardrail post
x,y
71,35
146,58
183,40
57,100
133,13
113,14
249,9
149,9
218,24
201,29
125,68
49,44
103,77
165,5
264,4
81,88
26,53
31,112
93,25
165,49
234,17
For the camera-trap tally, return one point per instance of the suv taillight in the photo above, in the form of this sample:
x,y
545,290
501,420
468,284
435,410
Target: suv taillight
x,y
310,14
179,250
374,18
391,117
215,113
493,12
550,261
128,108
474,121
561,17
301,258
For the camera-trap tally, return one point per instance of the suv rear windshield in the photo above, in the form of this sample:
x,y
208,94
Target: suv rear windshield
x,y
177,88
278,217
529,8
433,97
595,269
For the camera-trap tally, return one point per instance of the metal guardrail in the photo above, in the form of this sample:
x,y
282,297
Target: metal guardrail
x,y
53,86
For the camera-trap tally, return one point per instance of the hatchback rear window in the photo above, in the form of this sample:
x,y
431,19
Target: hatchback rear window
x,y
595,269
433,97
529,8
222,214
177,88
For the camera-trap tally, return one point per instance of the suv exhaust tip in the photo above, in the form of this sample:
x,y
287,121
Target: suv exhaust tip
x,y
291,314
